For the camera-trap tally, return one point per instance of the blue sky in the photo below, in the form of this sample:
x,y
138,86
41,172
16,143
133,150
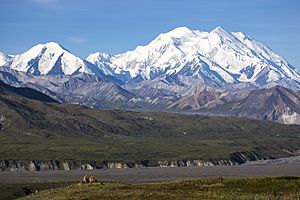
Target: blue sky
x,y
114,26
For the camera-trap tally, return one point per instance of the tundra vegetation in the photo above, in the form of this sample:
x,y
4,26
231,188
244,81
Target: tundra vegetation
x,y
211,188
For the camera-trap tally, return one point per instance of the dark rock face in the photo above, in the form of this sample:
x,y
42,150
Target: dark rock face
x,y
243,157
26,92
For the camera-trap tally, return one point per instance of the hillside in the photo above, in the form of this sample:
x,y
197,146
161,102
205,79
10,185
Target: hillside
x,y
36,130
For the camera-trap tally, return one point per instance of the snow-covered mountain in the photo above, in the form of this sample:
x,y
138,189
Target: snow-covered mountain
x,y
53,70
217,72
102,60
219,56
4,59
52,59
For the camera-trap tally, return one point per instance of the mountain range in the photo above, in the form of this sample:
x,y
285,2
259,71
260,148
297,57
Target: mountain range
x,y
216,73
218,56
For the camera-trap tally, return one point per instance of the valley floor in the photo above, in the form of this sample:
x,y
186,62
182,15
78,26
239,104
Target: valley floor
x,y
153,174
17,184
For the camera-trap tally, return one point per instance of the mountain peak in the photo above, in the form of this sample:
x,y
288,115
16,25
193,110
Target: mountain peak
x,y
181,29
52,59
53,46
219,30
179,32
100,56
169,37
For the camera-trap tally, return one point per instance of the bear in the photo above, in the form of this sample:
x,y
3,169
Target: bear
x,y
89,179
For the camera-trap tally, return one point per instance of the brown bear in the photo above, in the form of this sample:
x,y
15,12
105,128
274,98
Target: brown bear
x,y
89,179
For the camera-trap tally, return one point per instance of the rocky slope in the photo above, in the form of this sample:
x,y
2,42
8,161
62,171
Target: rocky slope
x,y
275,104
45,165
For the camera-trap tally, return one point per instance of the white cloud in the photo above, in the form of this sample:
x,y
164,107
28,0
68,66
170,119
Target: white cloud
x,y
76,40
